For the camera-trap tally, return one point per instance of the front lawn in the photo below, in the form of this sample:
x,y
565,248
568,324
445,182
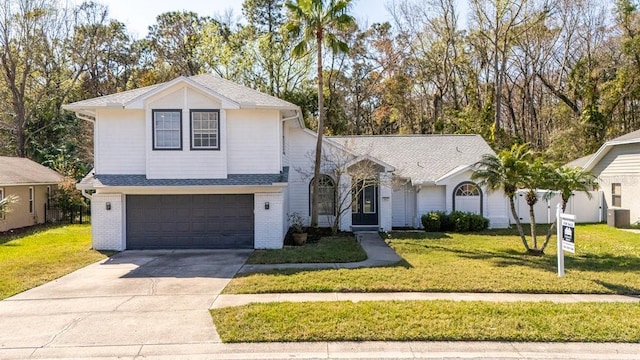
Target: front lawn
x,y
35,257
429,321
329,249
607,260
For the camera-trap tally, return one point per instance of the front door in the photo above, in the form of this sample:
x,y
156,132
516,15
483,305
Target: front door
x,y
364,210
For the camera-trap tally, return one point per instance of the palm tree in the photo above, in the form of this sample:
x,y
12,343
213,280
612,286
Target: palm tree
x,y
538,176
568,180
318,23
507,171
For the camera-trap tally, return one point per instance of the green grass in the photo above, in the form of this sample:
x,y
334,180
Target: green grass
x,y
33,258
339,249
607,260
429,321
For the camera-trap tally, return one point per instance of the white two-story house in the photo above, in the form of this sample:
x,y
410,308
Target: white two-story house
x,y
202,162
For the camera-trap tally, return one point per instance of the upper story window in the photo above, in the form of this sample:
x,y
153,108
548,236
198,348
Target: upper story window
x,y
167,129
205,129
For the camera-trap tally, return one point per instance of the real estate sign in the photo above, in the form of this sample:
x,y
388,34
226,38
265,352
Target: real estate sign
x,y
566,239
568,243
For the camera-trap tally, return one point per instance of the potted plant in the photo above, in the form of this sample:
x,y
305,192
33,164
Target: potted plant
x,y
297,229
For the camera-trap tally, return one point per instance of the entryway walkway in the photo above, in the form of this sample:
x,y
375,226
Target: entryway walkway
x,y
378,254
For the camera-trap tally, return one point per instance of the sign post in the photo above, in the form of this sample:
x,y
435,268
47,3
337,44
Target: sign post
x,y
565,224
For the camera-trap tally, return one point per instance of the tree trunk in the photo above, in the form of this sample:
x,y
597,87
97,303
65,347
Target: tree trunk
x,y
552,228
512,204
316,168
532,223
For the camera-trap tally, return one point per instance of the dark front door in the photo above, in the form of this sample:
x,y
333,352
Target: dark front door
x,y
190,221
365,207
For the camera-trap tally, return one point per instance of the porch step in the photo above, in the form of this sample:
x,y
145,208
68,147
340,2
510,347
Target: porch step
x,y
356,228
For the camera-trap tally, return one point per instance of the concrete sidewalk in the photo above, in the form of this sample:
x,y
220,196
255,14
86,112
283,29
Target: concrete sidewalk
x,y
243,299
378,254
341,350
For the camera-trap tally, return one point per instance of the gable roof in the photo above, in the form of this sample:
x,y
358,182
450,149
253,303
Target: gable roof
x,y
425,159
241,96
630,138
22,171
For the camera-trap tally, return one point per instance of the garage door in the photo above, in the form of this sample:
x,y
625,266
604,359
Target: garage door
x,y
189,221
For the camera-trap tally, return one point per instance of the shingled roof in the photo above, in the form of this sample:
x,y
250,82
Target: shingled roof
x,y
22,171
421,158
243,96
91,181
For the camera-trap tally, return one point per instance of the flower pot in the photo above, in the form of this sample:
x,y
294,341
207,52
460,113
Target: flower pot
x,y
299,238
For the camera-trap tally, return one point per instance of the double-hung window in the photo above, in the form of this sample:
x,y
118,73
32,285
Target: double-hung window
x,y
205,129
2,211
616,194
31,200
167,129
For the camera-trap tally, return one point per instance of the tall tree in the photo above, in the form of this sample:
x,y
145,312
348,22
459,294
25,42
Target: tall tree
x,y
507,171
318,23
38,67
174,41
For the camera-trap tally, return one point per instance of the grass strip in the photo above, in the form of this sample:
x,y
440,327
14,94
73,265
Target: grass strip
x,y
338,249
607,261
33,258
429,321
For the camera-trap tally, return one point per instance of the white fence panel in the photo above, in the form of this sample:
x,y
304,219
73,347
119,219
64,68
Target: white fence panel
x,y
586,210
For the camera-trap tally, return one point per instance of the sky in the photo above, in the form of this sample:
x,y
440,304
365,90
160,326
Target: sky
x,y
138,15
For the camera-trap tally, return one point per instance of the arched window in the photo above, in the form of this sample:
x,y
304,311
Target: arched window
x,y
326,195
467,189
467,197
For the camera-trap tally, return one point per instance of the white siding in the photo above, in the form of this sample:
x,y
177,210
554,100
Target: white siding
x,y
254,141
385,210
621,165
630,187
269,223
302,146
404,205
185,163
431,198
108,226
621,160
120,140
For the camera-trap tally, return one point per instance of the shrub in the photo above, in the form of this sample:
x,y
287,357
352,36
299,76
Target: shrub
x,y
431,221
464,221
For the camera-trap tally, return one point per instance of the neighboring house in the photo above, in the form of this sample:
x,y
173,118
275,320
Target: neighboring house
x,y
617,166
33,184
202,162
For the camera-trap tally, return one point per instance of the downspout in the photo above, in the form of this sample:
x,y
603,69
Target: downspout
x,y
296,116
86,194
84,117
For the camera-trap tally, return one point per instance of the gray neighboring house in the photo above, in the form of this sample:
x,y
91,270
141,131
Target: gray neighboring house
x,y
617,166
33,184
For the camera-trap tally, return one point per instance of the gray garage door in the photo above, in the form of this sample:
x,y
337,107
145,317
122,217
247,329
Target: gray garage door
x,y
189,221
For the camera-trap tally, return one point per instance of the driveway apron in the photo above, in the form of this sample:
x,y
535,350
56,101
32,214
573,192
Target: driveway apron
x,y
132,298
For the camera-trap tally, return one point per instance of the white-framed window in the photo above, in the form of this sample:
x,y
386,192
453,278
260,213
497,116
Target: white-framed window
x,y
616,194
167,129
205,129
1,197
467,189
31,200
326,195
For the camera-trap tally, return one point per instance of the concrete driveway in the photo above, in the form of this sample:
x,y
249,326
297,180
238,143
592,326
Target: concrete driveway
x,y
133,298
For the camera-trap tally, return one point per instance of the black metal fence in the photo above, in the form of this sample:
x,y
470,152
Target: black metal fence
x,y
74,215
